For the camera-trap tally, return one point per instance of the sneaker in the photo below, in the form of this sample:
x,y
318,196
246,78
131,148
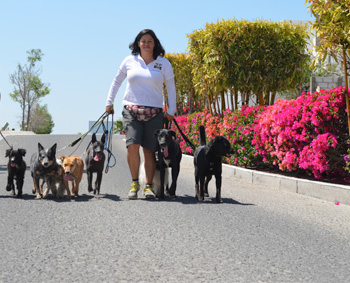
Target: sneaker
x,y
135,187
147,192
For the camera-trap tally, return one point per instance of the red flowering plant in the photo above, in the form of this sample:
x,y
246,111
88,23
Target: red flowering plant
x,y
238,128
307,133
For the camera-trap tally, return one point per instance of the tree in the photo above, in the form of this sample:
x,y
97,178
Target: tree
x,y
40,120
28,87
258,57
332,27
182,66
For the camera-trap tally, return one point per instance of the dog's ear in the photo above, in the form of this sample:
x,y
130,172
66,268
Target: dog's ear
x,y
22,151
93,138
54,147
103,138
172,133
156,133
61,157
40,147
8,151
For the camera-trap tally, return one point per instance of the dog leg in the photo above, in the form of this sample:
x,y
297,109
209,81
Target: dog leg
x,y
218,188
201,188
19,184
10,186
75,188
206,183
66,185
48,186
197,185
98,183
36,188
89,177
162,177
174,175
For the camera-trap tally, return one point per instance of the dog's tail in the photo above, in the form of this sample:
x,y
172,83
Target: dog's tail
x,y
202,138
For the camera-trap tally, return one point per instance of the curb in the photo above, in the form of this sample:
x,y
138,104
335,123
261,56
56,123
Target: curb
x,y
315,189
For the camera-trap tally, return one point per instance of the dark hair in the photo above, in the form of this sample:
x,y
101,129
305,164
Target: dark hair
x,y
158,48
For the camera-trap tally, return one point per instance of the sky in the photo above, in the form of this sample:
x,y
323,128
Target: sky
x,y
84,42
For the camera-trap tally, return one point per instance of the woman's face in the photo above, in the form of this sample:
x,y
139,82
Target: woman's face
x,y
146,44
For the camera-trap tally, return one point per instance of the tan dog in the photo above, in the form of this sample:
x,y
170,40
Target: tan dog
x,y
73,167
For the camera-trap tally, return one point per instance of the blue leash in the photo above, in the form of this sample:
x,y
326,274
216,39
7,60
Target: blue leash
x,y
108,145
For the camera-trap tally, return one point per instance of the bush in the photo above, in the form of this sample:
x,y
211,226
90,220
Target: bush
x,y
307,135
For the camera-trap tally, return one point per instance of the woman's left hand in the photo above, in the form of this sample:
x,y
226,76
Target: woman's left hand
x,y
169,117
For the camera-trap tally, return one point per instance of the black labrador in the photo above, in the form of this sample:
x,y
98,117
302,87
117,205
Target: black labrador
x,y
169,155
16,168
95,162
208,162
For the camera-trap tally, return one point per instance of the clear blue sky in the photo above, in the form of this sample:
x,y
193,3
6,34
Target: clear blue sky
x,y
84,43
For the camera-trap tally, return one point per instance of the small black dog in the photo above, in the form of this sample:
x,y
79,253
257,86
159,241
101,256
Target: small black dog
x,y
208,162
43,166
168,156
16,168
94,162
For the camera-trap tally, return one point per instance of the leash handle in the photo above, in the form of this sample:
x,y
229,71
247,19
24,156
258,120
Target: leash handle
x,y
6,140
108,145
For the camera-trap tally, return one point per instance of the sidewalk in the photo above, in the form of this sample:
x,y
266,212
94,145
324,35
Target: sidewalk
x,y
321,190
18,133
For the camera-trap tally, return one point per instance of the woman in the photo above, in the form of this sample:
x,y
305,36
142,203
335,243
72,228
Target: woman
x,y
146,70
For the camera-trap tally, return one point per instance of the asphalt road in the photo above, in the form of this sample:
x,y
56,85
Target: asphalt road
x,y
257,234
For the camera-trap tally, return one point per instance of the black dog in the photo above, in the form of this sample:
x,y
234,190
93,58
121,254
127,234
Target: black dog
x,y
43,166
168,156
16,168
208,162
95,161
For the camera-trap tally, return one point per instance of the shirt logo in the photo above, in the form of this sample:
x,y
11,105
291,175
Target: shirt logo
x,y
158,66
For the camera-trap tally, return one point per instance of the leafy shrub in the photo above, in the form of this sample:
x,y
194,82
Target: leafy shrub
x,y
307,135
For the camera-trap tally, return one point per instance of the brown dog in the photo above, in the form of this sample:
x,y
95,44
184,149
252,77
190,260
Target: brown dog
x,y
73,167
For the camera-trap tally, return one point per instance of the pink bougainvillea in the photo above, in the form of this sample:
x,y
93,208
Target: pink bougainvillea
x,y
308,133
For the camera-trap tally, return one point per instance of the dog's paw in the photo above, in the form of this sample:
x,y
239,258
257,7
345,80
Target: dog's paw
x,y
218,200
199,198
170,194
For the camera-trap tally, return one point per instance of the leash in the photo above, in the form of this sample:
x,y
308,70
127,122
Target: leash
x,y
3,135
183,135
6,140
108,144
80,139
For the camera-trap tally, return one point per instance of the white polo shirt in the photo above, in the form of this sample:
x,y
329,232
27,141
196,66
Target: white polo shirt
x,y
145,83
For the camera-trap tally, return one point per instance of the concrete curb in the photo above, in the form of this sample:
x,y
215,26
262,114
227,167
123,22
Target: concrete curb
x,y
325,191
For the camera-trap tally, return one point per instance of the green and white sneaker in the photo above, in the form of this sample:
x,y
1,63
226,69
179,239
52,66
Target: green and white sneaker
x,y
147,192
135,187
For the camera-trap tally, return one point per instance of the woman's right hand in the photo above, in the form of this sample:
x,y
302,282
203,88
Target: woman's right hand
x,y
109,109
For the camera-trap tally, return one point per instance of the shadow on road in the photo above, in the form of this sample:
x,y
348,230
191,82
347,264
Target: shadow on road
x,y
187,199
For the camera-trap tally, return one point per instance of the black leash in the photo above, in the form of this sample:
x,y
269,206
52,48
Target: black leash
x,y
3,135
6,140
183,135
